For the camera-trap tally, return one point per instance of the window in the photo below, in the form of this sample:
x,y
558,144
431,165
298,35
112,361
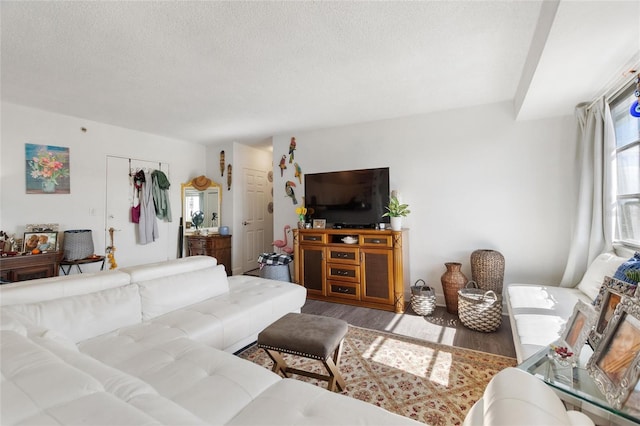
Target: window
x,y
627,178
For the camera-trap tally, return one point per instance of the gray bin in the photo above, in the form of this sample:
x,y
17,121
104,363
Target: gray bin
x,y
275,266
276,272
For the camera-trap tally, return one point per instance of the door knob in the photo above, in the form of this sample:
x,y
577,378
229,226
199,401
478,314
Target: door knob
x,y
245,223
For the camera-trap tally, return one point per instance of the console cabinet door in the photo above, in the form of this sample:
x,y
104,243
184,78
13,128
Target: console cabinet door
x,y
312,269
377,275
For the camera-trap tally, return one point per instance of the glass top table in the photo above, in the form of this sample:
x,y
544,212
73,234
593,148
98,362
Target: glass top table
x,y
574,386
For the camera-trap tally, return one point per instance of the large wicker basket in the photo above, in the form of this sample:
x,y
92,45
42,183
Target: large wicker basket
x,y
423,298
478,309
487,269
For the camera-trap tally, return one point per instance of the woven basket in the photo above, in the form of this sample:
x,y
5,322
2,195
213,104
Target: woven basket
x,y
423,299
487,269
478,309
78,244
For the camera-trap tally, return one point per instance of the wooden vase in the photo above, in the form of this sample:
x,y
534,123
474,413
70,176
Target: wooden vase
x,y
452,281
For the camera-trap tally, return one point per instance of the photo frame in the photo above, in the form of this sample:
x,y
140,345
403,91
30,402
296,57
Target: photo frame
x,y
319,223
611,292
41,227
615,364
577,329
43,241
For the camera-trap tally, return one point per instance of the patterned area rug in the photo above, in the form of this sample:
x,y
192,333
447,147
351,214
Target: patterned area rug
x,y
428,382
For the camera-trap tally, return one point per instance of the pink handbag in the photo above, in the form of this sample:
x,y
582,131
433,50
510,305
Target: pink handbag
x,y
135,214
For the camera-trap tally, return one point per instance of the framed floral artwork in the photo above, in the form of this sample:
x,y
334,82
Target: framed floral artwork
x,y
47,169
615,364
611,292
578,326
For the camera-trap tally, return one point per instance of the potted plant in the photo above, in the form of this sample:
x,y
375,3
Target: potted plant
x,y
396,211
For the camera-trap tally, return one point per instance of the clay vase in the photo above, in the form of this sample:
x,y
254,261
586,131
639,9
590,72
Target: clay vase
x,y
487,270
452,281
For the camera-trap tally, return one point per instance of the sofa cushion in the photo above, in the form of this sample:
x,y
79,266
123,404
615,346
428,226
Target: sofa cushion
x,y
212,384
150,271
58,287
538,314
232,320
292,402
168,293
84,316
605,265
45,383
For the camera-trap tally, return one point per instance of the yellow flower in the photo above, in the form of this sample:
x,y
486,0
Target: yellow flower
x,y
301,212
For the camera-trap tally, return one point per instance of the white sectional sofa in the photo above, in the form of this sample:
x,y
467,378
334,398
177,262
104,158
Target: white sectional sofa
x,y
150,345
538,313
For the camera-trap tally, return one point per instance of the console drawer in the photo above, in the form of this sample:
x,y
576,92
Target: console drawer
x,y
344,255
312,238
377,240
345,291
343,272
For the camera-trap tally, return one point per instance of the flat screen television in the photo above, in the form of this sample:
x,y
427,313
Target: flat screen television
x,y
348,199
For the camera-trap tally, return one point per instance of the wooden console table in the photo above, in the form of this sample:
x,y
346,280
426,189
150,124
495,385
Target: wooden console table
x,y
361,267
30,266
214,245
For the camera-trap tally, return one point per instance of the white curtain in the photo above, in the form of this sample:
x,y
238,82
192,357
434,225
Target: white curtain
x,y
593,224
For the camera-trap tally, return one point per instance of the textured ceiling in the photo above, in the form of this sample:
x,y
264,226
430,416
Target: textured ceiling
x,y
243,71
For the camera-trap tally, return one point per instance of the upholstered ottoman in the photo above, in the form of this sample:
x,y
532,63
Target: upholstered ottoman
x,y
310,336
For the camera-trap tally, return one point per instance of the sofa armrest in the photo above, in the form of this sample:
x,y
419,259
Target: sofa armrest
x,y
515,397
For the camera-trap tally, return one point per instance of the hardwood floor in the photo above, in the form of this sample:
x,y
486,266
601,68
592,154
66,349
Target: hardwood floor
x,y
439,327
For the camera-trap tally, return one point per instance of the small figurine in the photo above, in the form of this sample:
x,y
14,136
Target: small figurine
x,y
288,189
292,147
298,172
283,165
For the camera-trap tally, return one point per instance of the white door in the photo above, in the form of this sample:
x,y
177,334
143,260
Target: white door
x,y
118,215
254,217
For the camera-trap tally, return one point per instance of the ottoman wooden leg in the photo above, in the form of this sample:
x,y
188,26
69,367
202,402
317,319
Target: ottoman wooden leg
x,y
335,378
332,366
279,364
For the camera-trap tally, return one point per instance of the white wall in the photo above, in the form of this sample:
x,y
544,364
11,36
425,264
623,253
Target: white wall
x,y
240,157
473,178
88,153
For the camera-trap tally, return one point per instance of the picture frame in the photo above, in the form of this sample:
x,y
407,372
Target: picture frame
x,y
43,241
319,223
615,364
41,227
611,292
578,327
47,169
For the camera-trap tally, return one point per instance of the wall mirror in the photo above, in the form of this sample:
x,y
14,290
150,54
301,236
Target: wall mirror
x,y
201,194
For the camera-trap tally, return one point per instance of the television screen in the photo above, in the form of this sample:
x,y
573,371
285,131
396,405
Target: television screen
x,y
350,199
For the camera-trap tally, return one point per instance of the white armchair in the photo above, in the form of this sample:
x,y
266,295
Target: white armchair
x,y
514,397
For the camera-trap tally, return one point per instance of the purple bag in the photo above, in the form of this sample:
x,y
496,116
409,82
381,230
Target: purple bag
x,y
135,214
